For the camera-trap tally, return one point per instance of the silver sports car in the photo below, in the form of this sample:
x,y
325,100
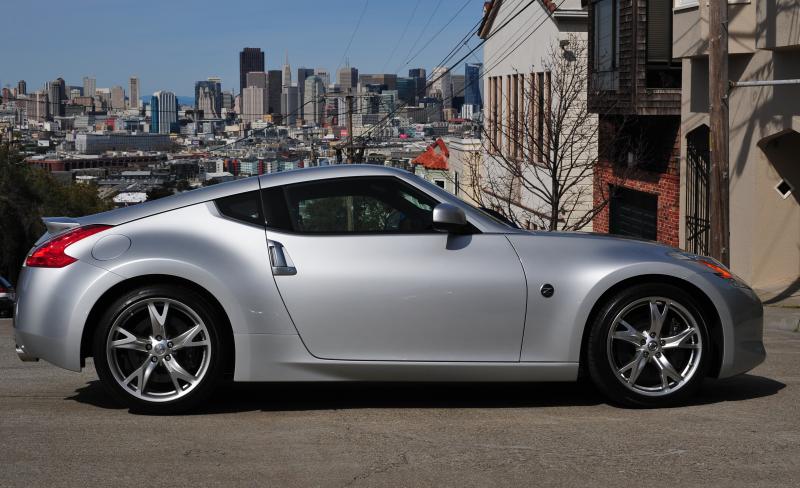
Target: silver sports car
x,y
368,273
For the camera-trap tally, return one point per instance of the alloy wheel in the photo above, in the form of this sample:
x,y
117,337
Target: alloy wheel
x,y
654,346
158,349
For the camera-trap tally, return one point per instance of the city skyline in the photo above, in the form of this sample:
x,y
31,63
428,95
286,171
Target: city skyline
x,y
194,54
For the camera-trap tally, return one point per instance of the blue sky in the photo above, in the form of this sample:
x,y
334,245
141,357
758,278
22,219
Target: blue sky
x,y
169,44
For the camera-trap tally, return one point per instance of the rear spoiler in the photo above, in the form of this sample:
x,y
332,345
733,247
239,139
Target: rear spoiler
x,y
56,225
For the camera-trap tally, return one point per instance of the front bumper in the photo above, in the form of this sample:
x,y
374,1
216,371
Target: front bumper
x,y
742,317
52,307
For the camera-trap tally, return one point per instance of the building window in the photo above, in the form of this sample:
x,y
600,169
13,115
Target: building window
x,y
605,53
662,72
439,183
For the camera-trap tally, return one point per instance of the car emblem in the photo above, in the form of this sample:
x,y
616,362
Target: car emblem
x,y
547,290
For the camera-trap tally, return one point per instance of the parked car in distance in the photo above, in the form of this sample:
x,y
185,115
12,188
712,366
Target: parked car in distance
x,y
7,297
368,273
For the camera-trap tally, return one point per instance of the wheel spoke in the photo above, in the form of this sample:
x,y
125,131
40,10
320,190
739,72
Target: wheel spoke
x,y
677,340
657,317
667,371
141,375
177,372
635,367
630,334
130,341
158,320
187,339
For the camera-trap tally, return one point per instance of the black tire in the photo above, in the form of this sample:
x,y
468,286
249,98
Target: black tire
x,y
606,377
214,372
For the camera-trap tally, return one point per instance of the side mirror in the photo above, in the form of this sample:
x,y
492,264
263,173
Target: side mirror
x,y
448,218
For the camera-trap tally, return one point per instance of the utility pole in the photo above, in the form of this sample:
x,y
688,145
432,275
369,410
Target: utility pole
x,y
718,98
349,128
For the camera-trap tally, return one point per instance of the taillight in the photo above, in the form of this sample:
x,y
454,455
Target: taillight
x,y
51,253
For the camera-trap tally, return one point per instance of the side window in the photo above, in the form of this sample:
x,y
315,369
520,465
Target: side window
x,y
353,205
243,207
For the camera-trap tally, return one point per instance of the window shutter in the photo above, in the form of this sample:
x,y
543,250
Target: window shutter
x,y
659,31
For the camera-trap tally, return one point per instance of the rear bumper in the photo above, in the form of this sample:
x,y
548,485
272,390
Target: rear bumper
x,y
51,311
24,356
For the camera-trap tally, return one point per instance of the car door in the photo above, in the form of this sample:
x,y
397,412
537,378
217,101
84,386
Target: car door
x,y
365,277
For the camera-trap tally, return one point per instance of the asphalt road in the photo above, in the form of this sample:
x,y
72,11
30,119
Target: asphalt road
x,y
57,428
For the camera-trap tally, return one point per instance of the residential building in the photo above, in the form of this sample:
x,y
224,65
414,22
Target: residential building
x,y
764,137
635,88
527,145
250,59
133,93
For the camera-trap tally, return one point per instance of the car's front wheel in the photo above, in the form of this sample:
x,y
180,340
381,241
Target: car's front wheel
x,y
159,349
649,346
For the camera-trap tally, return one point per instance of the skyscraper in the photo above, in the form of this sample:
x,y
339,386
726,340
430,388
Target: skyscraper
x,y
89,86
472,85
441,86
257,79
250,59
314,90
163,112
419,75
388,80
347,78
22,88
289,100
274,82
287,73
302,74
56,94
405,90
254,104
133,93
208,97
323,75
117,98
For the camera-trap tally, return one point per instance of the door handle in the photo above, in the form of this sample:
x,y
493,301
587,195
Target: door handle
x,y
282,264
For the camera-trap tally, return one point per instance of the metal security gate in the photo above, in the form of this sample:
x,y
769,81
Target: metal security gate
x,y
698,202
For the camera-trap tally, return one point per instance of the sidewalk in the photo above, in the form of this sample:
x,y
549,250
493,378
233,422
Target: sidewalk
x,y
782,318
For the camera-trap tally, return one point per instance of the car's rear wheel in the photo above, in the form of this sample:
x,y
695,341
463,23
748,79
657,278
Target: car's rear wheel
x,y
159,349
649,346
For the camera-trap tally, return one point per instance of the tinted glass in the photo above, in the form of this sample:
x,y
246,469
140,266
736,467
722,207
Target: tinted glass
x,y
353,205
244,207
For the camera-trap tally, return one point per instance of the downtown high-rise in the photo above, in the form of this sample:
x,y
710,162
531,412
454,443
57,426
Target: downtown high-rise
x,y
250,59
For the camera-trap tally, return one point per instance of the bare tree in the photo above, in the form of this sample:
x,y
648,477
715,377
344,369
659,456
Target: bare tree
x,y
542,145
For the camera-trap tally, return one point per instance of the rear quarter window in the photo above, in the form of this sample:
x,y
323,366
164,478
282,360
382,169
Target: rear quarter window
x,y
244,207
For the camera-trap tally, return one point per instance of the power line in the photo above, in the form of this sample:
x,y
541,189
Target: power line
x,y
353,35
403,35
434,36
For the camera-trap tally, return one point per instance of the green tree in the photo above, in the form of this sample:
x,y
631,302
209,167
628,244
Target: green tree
x,y
26,195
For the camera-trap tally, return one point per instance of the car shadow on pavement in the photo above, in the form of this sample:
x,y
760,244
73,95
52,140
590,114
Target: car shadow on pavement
x,y
243,397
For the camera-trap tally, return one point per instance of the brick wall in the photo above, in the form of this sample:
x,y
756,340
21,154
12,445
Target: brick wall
x,y
666,185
